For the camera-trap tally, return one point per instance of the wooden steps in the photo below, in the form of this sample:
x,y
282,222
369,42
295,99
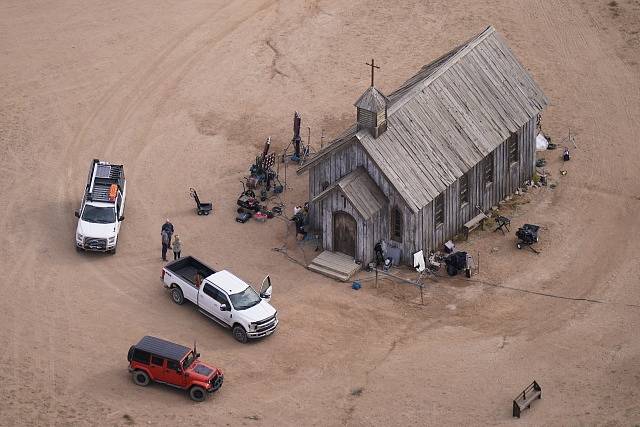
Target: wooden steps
x,y
334,265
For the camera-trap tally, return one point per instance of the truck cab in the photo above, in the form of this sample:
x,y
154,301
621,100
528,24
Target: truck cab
x,y
102,208
223,297
161,361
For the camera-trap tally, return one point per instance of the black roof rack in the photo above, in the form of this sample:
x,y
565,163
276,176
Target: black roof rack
x,y
102,176
162,348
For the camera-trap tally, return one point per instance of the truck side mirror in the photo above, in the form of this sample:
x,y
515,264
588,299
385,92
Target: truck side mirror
x,y
265,289
77,212
223,307
266,294
121,218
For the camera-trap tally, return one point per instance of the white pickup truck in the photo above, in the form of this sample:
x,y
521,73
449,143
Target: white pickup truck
x,y
222,297
102,208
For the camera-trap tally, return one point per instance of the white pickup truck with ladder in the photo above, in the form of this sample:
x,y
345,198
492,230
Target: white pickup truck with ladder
x,y
102,208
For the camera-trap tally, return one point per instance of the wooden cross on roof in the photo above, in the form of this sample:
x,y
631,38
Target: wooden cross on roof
x,y
373,66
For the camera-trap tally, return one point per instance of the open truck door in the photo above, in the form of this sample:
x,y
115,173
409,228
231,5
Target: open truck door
x,y
266,288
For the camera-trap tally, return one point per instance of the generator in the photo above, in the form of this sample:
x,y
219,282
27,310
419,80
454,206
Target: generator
x,y
527,235
456,262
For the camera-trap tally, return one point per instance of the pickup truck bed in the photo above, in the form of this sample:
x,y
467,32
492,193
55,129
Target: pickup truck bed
x,y
186,268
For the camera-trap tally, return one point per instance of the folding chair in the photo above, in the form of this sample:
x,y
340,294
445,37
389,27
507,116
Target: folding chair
x,y
502,223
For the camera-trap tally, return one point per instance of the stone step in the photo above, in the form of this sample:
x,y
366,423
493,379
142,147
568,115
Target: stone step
x,y
329,272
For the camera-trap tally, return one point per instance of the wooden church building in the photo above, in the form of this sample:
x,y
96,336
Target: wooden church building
x,y
412,169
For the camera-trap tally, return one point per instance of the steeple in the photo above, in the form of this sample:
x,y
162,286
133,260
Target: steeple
x,y
372,108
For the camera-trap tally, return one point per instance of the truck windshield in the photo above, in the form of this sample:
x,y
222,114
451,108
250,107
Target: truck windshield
x,y
99,215
189,360
245,299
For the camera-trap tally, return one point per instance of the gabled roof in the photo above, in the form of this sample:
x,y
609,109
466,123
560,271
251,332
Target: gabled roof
x,y
162,348
360,190
448,117
372,100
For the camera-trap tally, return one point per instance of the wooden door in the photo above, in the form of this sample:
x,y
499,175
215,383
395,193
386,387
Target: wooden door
x,y
345,231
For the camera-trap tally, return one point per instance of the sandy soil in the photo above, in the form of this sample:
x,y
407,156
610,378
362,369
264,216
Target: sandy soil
x,y
184,93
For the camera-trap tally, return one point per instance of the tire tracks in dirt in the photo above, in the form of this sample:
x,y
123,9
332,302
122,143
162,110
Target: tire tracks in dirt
x,y
146,88
24,343
575,31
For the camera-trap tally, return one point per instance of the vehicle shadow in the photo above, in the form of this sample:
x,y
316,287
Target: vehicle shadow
x,y
118,382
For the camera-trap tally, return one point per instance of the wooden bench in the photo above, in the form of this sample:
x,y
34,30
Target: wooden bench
x,y
524,399
473,223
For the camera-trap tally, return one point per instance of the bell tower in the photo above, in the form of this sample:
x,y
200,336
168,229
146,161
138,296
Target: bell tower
x,y
372,108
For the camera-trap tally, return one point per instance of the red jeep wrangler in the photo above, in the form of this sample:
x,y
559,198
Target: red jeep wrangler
x,y
178,366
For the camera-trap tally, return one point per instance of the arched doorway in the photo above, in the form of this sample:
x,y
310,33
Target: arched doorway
x,y
345,231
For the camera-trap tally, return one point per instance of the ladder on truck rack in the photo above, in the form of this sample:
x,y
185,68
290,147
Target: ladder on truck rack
x,y
106,180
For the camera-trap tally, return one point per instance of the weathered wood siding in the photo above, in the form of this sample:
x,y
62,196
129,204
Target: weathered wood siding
x,y
507,178
419,231
334,167
368,231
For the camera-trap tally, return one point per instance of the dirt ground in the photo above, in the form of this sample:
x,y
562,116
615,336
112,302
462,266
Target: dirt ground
x,y
184,94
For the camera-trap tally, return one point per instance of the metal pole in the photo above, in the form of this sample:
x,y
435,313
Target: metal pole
x,y
285,169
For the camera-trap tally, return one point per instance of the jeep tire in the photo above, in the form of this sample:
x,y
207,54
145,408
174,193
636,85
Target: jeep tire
x,y
240,334
177,296
197,393
141,378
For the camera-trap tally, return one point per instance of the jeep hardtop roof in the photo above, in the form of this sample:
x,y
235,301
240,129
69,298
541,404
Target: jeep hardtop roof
x,y
162,348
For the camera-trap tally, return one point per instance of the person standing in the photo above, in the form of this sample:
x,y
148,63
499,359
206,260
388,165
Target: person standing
x,y
177,247
165,244
168,227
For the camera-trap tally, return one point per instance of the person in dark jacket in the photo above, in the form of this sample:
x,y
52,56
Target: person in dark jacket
x,y
165,244
168,227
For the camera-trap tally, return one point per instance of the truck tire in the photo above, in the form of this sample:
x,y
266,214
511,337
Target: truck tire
x,y
141,378
113,251
197,393
240,334
177,296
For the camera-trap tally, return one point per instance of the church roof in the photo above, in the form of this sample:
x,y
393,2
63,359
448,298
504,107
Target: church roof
x,y
360,190
372,100
448,117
